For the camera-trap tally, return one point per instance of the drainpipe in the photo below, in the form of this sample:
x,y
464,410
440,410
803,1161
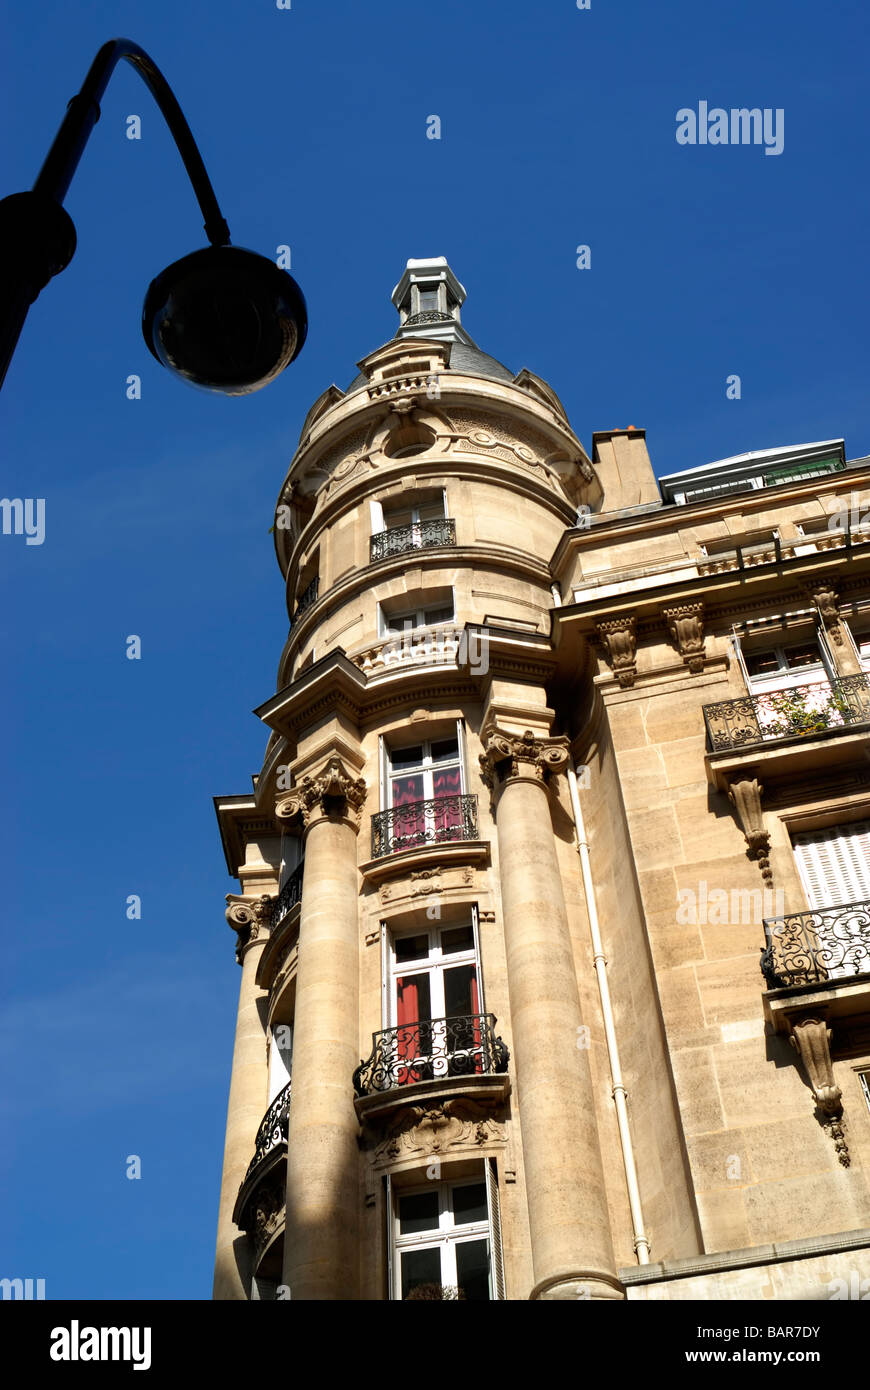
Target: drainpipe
x,y
641,1241
557,595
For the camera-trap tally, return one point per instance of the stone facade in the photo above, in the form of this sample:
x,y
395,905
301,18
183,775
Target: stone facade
x,y
651,1116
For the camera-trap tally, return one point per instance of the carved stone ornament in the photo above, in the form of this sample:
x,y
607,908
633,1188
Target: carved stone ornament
x,y
745,795
248,917
512,755
823,592
433,1129
266,1212
333,793
811,1040
619,638
686,626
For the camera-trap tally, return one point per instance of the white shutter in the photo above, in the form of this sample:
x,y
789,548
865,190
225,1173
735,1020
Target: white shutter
x,y
383,772
475,927
385,976
463,755
495,1245
376,511
834,864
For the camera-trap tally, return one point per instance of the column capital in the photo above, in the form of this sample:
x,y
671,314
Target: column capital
x,y
333,793
507,756
249,919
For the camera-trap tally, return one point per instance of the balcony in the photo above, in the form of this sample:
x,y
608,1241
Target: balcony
x,y
306,598
799,712
420,823
420,535
432,1050
821,946
289,896
259,1207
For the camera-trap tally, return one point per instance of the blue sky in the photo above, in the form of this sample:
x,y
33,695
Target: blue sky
x,y
558,129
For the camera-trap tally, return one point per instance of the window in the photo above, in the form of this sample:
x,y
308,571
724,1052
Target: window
x,y
864,1078
435,1004
834,868
799,663
445,1240
394,624
417,778
414,515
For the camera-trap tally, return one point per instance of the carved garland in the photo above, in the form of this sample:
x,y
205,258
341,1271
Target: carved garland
x,y
422,1130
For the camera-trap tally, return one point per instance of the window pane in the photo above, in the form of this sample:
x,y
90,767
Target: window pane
x,y
445,750
438,615
457,939
431,511
428,300
412,947
418,1213
472,1270
805,655
420,1267
460,990
761,663
402,758
469,1203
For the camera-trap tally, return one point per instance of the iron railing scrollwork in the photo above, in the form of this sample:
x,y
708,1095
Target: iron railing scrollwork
x,y
430,1050
272,1131
821,945
419,535
306,598
800,711
288,897
420,823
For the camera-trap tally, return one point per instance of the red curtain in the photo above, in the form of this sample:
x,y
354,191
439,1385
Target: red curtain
x,y
447,781
407,1033
409,825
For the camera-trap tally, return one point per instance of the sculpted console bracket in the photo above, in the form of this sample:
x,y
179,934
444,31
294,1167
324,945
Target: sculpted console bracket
x,y
811,1040
686,626
745,795
619,639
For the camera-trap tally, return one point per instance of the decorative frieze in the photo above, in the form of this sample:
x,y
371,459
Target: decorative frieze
x,y
419,1131
619,639
686,626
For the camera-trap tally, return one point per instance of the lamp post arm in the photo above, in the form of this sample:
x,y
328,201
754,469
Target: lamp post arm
x,y
83,112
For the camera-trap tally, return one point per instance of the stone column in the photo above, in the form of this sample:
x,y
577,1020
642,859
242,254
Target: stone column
x,y
248,1096
321,1237
572,1251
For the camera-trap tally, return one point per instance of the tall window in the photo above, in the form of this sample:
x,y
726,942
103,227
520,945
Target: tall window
x,y
435,1004
834,867
424,786
445,1238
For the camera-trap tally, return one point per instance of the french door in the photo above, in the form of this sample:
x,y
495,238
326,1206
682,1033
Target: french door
x,y
435,1004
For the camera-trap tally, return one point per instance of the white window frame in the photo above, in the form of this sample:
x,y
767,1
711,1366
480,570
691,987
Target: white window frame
x,y
426,768
280,1061
412,619
449,1233
786,677
434,966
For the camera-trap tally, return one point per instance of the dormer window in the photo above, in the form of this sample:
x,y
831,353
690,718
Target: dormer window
x,y
429,297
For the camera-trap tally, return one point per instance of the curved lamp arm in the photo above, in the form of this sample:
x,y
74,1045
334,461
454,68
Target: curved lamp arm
x,y
83,112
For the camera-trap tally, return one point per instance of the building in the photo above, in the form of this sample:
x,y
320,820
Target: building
x,y
554,883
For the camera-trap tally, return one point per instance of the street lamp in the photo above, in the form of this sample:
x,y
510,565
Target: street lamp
x,y
223,318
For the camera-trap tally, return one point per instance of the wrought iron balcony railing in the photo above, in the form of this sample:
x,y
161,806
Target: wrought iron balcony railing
x,y
272,1131
824,944
430,1050
418,536
288,897
306,598
424,823
801,711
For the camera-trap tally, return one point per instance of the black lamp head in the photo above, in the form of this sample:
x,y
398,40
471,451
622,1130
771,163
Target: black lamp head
x,y
225,319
